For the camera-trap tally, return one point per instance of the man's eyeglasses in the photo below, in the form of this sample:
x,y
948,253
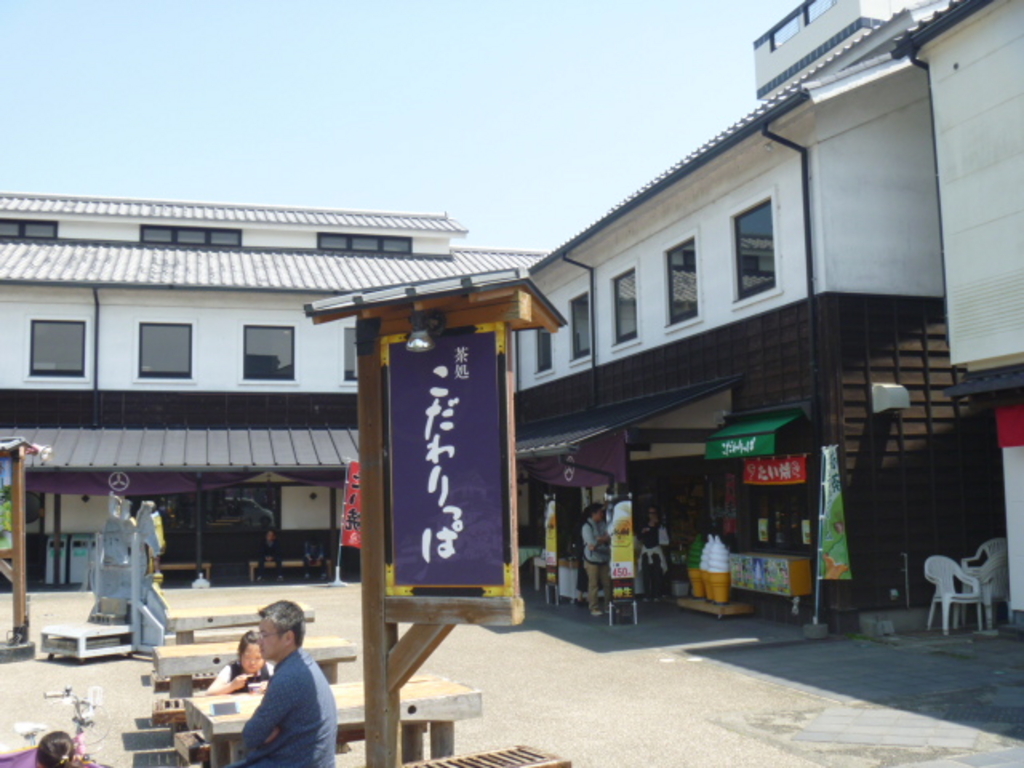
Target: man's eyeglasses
x,y
264,635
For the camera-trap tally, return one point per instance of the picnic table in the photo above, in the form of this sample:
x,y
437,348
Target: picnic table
x,y
181,662
426,701
184,623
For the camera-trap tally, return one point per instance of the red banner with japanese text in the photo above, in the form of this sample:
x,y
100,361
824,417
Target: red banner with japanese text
x,y
352,509
775,471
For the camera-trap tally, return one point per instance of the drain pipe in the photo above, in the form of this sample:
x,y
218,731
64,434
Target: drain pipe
x,y
96,358
812,312
593,328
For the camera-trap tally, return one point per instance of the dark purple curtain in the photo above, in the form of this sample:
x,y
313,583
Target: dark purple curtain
x,y
606,453
138,483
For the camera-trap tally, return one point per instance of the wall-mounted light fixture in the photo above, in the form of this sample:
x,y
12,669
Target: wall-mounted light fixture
x,y
426,326
889,397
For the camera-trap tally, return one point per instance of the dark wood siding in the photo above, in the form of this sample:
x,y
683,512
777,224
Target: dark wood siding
x,y
771,350
927,480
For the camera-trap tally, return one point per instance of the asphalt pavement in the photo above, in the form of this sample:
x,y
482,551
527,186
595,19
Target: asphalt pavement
x,y
677,689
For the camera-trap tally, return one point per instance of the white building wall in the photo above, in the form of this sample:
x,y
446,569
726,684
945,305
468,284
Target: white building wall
x,y
218,319
978,88
703,208
874,215
305,512
875,209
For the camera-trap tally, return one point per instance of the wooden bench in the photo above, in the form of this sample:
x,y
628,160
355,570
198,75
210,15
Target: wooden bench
x,y
184,623
180,663
207,567
515,757
271,566
191,748
426,702
200,682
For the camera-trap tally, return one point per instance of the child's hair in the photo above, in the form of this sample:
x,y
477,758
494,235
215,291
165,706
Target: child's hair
x,y
252,637
56,749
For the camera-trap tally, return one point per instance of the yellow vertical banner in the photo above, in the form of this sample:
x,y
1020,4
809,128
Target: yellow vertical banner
x,y
551,541
623,570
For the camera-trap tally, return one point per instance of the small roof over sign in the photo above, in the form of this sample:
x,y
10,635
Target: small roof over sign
x,y
509,295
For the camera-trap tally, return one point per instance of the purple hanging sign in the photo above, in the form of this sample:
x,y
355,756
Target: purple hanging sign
x,y
447,484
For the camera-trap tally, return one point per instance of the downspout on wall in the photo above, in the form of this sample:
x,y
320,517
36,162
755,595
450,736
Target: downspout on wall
x,y
593,327
812,312
96,357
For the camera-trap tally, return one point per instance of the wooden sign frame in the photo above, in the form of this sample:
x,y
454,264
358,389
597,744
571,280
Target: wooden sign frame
x,y
389,661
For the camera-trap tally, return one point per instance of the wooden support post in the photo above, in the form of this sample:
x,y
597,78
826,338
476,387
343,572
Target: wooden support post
x,y
419,641
379,637
412,741
20,581
442,739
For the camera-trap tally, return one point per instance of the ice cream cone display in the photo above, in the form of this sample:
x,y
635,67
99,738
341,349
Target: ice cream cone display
x,y
717,577
693,567
696,582
718,587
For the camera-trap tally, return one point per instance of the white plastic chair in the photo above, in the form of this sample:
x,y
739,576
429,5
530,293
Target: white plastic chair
x,y
943,572
988,549
994,577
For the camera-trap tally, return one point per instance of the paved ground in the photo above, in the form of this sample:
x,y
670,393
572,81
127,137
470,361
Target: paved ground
x,y
679,689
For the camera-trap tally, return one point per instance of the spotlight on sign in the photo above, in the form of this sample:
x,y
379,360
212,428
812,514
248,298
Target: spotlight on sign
x,y
426,325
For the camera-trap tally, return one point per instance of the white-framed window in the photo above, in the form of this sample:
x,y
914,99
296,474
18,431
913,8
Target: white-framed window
x,y
681,264
269,353
543,350
755,250
351,355
624,300
165,351
58,348
579,319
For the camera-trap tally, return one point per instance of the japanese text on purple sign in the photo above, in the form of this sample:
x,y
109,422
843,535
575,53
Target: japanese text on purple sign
x,y
443,406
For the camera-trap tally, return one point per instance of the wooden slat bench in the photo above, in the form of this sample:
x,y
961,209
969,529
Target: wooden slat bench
x,y
191,748
207,567
169,712
516,757
426,702
181,663
254,564
184,623
200,682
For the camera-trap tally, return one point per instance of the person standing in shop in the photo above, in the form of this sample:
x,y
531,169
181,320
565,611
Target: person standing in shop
x,y
653,564
596,557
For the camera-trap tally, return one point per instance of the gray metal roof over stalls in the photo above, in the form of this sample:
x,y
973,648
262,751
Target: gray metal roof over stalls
x,y
87,449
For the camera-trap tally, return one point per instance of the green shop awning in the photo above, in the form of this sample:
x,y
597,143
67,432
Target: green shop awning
x,y
749,437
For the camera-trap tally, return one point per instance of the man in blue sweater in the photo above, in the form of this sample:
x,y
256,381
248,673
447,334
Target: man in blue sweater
x,y
296,725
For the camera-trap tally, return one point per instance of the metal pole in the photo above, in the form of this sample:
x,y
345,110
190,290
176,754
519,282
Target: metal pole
x,y
821,522
200,582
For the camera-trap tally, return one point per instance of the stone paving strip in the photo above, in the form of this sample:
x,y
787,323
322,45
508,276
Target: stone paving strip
x,y
886,727
1003,758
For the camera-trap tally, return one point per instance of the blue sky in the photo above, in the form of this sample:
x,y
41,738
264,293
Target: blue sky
x,y
526,120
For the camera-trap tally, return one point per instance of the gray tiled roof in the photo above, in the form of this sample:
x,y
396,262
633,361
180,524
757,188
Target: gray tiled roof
x,y
133,264
159,449
221,214
750,124
936,24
